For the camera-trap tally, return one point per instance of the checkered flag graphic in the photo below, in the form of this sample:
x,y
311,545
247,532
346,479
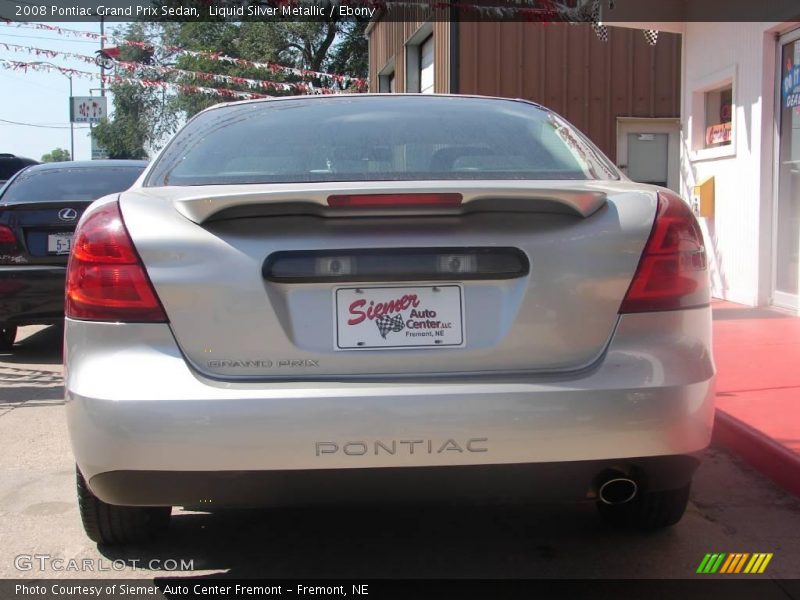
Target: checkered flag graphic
x,y
651,36
386,324
600,30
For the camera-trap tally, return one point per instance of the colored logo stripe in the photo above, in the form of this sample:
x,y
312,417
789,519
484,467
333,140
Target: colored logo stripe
x,y
758,563
727,564
737,562
711,563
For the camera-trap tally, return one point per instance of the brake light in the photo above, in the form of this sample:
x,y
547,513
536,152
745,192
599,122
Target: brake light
x,y
106,280
7,236
672,271
394,200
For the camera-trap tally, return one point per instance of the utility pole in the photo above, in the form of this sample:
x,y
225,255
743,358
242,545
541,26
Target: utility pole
x,y
102,46
102,83
71,124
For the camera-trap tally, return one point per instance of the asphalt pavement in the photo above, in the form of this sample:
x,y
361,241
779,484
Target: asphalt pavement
x,y
732,509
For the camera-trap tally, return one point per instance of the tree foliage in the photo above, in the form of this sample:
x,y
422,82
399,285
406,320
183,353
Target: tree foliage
x,y
351,56
56,155
145,116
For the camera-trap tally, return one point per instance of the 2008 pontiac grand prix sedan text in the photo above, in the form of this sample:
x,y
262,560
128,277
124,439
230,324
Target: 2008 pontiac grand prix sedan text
x,y
354,298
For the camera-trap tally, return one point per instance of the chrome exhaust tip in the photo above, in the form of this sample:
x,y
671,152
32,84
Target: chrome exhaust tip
x,y
618,490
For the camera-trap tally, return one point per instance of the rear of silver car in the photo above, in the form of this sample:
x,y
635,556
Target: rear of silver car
x,y
350,339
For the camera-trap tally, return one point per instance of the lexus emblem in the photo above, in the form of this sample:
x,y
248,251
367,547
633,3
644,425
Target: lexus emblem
x,y
68,214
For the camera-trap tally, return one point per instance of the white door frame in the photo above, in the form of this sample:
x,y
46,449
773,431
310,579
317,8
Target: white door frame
x,y
670,126
777,298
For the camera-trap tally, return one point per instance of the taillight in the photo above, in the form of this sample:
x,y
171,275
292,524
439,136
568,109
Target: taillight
x,y
672,271
394,200
7,236
106,280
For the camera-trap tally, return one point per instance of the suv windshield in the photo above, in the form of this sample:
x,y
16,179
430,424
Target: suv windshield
x,y
69,184
377,138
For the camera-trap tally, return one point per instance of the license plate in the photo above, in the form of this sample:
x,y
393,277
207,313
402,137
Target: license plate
x,y
59,243
374,318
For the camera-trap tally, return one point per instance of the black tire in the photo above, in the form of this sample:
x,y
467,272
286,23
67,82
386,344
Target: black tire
x,y
648,510
8,333
109,524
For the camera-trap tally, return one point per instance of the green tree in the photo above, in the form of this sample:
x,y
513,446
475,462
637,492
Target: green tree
x,y
304,45
218,37
351,54
56,155
143,116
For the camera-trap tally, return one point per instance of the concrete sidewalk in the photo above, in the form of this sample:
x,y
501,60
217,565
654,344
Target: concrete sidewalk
x,y
757,352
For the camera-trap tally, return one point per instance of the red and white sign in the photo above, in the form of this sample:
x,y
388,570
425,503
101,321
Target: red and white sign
x,y
88,109
370,318
719,134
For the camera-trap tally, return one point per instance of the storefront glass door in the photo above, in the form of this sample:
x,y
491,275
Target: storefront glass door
x,y
787,210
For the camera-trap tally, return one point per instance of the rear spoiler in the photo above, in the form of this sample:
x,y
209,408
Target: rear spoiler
x,y
223,202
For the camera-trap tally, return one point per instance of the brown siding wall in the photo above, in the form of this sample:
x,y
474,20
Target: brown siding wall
x,y
441,73
568,69
387,39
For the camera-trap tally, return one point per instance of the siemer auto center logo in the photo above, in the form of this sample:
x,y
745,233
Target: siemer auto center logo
x,y
371,318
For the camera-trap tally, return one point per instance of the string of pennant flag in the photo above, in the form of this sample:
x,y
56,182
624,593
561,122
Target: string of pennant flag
x,y
135,68
342,81
16,65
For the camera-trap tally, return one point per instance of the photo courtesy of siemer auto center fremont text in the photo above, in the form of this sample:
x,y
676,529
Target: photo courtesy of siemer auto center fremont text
x,y
400,299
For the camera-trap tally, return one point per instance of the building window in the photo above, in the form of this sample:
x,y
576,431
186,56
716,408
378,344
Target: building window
x,y
420,59
719,116
386,78
386,83
712,115
426,66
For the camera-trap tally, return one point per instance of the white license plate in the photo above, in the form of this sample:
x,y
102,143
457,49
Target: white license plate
x,y
399,317
59,243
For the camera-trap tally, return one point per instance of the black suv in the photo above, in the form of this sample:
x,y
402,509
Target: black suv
x,y
10,164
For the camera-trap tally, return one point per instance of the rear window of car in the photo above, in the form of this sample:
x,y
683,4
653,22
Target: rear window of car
x,y
53,185
377,139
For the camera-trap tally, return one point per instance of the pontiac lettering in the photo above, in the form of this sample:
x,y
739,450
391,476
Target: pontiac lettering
x,y
402,447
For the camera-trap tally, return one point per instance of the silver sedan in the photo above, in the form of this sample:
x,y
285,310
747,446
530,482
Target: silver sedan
x,y
384,298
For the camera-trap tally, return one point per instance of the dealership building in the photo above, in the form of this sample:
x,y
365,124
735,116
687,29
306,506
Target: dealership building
x,y
710,109
740,151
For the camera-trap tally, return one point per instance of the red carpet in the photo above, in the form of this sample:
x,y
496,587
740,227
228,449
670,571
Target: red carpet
x,y
757,352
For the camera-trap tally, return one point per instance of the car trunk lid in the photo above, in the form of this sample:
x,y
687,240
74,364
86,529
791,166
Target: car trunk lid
x,y
208,251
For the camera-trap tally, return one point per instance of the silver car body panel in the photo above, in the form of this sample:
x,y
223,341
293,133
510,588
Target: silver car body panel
x,y
231,323
133,403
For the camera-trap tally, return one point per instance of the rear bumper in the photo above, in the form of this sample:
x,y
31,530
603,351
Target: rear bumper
x,y
31,294
138,413
578,480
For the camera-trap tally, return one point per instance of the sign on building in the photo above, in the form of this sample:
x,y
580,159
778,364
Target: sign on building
x,y
88,109
98,152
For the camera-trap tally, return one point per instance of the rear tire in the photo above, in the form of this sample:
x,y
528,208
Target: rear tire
x,y
648,510
8,333
109,524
